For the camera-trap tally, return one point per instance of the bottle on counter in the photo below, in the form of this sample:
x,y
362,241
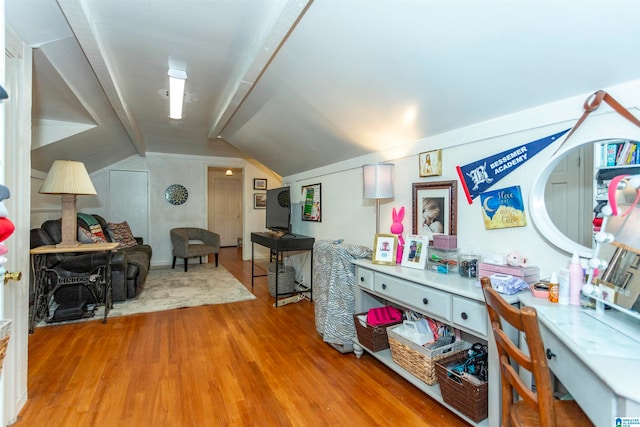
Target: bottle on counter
x,y
554,288
563,284
576,280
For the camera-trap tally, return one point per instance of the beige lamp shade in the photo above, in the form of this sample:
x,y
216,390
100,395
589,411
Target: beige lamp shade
x,y
68,177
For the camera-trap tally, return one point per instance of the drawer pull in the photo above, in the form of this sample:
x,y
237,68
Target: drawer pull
x,y
361,279
425,301
550,354
464,315
384,286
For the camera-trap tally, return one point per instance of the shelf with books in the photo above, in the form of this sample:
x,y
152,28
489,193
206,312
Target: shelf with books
x,y
614,157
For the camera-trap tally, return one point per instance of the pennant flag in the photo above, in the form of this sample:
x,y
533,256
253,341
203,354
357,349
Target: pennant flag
x,y
478,176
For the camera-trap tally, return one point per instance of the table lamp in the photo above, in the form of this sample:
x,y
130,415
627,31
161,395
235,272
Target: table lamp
x,y
68,178
378,184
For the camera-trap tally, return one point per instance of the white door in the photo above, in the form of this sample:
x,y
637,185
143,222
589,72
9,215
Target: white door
x,y
126,202
225,207
569,196
15,167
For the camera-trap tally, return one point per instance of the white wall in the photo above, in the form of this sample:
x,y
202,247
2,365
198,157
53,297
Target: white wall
x,y
346,215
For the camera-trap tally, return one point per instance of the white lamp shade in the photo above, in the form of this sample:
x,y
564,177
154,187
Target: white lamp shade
x,y
378,181
68,177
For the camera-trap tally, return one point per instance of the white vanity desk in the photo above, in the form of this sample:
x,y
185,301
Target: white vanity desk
x,y
599,365
596,363
449,298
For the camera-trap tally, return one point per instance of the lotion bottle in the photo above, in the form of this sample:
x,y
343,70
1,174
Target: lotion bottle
x,y
563,284
576,280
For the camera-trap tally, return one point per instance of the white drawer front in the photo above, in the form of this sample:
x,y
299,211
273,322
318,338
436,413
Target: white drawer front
x,y
470,314
596,399
423,299
364,278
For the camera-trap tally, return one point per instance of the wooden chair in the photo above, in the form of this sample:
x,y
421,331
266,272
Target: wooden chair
x,y
534,408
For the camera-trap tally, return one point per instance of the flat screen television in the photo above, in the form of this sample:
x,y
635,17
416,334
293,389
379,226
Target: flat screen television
x,y
279,209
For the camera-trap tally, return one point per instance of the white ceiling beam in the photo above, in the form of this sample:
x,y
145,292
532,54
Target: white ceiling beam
x,y
45,131
76,15
265,51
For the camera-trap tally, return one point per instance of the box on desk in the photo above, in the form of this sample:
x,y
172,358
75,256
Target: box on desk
x,y
442,260
443,241
529,274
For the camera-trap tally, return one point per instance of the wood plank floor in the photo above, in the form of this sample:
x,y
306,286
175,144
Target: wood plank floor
x,y
241,364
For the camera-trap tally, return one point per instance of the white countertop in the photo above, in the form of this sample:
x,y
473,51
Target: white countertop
x,y
614,357
451,282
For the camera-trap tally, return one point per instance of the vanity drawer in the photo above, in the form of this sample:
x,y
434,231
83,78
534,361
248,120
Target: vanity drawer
x,y
364,278
420,298
596,399
470,314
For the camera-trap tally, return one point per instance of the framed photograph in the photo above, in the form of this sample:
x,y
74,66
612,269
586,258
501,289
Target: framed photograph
x,y
415,251
384,249
311,202
434,208
259,184
259,200
430,163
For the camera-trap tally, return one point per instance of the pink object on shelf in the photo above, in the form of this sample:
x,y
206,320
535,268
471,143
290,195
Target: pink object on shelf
x,y
443,241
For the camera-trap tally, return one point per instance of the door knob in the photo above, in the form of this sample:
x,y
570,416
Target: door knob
x,y
12,276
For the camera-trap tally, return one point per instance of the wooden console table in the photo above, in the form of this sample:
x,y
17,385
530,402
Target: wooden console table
x,y
100,287
279,244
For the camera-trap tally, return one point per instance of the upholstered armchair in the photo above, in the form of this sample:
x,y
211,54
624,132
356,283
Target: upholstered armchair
x,y
191,242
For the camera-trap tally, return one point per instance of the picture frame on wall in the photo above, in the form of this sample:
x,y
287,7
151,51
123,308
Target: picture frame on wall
x,y
259,200
415,251
434,208
311,202
259,183
385,247
430,163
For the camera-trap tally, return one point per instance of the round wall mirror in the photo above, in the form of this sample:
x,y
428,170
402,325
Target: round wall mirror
x,y
564,195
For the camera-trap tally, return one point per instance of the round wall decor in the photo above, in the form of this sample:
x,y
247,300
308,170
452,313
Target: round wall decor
x,y
176,194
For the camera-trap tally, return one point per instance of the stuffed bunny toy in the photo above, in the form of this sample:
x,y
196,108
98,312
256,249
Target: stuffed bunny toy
x,y
397,228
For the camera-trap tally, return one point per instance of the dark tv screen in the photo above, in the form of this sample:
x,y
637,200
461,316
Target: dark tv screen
x,y
279,209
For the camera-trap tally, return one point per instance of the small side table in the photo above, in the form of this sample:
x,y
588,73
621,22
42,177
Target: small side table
x,y
100,287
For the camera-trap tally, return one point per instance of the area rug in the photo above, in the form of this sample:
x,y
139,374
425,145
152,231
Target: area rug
x,y
167,289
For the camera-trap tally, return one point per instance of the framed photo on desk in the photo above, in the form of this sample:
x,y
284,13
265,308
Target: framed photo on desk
x,y
385,247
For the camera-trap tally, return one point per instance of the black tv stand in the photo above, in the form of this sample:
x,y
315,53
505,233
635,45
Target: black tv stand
x,y
279,243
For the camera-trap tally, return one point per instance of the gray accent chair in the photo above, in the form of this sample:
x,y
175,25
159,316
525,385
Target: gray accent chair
x,y
189,242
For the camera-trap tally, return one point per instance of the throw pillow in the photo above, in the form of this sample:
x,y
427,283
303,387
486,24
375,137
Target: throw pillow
x,y
121,233
85,236
96,230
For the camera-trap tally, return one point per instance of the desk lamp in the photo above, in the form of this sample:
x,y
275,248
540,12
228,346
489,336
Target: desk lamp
x,y
68,178
378,184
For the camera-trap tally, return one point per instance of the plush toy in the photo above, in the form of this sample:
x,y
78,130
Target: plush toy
x,y
6,226
398,228
516,259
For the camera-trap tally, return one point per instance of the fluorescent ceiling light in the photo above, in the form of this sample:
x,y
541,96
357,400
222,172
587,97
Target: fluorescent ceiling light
x,y
177,80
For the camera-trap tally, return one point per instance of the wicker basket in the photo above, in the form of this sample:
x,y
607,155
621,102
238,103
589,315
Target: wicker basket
x,y
4,343
459,392
372,337
286,279
419,361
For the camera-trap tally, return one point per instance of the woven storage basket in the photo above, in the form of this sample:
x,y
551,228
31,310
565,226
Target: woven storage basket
x,y
419,361
4,342
286,279
372,337
460,393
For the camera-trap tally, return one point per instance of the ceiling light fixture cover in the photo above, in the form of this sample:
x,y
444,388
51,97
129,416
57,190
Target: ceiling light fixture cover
x,y
177,80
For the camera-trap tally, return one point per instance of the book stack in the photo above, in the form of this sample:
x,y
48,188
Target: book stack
x,y
621,153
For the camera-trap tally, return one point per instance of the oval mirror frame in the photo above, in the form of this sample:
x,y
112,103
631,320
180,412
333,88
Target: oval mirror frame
x,y
538,208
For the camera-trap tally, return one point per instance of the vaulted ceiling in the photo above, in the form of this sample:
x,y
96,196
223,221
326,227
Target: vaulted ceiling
x,y
302,84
